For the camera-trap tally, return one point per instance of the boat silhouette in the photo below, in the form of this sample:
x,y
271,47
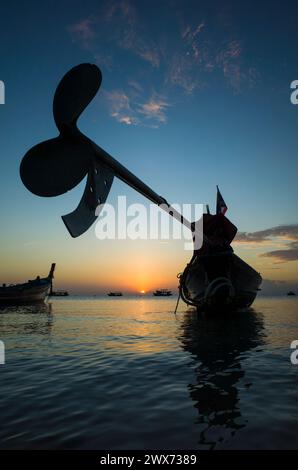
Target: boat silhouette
x,y
162,293
31,291
215,277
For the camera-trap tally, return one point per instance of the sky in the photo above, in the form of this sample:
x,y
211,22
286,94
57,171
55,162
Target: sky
x,y
194,94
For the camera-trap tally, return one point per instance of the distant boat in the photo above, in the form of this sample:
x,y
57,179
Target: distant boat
x,y
58,293
291,293
115,294
29,292
162,293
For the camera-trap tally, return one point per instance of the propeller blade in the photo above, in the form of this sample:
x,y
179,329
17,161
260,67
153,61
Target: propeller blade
x,y
74,92
55,166
99,182
58,165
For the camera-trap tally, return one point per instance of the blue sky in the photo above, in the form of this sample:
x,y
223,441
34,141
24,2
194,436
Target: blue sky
x,y
194,94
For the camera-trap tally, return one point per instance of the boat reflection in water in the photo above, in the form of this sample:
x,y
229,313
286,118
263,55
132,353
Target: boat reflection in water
x,y
18,320
218,346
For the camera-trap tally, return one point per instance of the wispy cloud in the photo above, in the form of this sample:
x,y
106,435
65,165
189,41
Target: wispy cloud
x,y
122,17
83,31
181,75
191,33
127,108
136,86
285,235
155,109
281,256
120,108
180,62
286,232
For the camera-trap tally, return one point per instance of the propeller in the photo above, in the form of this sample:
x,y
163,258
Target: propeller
x,y
57,165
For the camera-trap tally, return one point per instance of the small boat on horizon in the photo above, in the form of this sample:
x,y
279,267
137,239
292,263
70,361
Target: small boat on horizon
x,y
115,294
31,291
162,293
58,293
291,293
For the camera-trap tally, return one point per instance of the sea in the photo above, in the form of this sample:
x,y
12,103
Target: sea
x,y
128,373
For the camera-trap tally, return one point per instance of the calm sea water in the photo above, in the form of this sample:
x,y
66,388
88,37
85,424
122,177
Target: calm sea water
x,y
128,374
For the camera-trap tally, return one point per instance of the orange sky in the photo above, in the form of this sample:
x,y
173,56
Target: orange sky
x,y
88,265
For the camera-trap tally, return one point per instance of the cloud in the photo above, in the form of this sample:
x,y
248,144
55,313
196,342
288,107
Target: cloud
x,y
185,62
229,60
201,53
180,73
191,33
120,108
83,31
118,24
123,19
155,109
135,86
282,256
285,234
127,107
181,62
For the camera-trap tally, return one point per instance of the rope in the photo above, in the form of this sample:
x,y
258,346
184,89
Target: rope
x,y
179,295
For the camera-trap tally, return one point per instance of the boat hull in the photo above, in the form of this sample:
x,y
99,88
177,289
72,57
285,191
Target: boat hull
x,y
31,292
161,295
219,282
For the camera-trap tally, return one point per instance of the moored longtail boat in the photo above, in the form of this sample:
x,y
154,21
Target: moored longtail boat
x,y
216,279
29,292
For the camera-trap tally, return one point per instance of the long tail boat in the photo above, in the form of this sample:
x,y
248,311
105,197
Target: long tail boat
x,y
216,279
31,291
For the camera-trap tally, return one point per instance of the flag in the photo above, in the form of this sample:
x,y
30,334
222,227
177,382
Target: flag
x,y
221,207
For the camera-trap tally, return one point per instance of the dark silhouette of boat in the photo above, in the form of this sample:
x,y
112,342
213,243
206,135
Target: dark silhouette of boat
x,y
115,294
216,279
291,293
29,292
162,293
58,293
